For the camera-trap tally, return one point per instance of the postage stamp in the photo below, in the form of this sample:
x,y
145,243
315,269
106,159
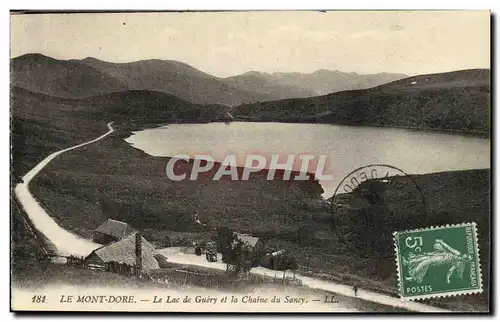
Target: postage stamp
x,y
438,261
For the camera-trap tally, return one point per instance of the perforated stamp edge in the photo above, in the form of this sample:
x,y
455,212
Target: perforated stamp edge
x,y
477,290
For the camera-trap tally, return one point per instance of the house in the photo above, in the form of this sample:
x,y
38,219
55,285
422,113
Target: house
x,y
112,230
248,240
254,244
272,260
132,250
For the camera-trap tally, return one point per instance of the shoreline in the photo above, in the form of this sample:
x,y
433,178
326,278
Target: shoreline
x,y
103,153
139,126
483,135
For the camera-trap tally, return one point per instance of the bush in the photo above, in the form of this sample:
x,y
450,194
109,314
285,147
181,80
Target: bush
x,y
182,242
164,242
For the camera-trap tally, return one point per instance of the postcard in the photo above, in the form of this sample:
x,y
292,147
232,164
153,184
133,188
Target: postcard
x,y
250,161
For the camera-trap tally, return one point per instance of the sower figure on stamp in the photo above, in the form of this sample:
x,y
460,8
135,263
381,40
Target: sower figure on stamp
x,y
443,254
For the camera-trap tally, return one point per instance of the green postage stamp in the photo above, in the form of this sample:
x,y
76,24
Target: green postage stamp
x,y
438,261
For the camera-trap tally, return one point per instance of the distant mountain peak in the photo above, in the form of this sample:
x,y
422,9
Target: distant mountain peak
x,y
93,76
33,56
89,59
452,101
255,73
322,71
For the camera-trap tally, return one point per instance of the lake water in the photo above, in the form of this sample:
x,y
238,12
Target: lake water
x,y
345,147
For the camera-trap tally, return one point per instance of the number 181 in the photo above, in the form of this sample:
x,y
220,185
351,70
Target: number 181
x,y
38,299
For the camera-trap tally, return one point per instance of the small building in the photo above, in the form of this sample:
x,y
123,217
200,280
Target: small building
x,y
112,230
254,244
125,251
272,260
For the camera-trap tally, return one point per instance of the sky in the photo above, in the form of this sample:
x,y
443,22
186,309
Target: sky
x,y
230,43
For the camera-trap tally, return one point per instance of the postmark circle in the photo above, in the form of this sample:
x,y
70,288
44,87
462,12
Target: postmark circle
x,y
372,202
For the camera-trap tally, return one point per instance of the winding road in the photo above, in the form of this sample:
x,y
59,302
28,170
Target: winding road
x,y
65,242
68,243
315,283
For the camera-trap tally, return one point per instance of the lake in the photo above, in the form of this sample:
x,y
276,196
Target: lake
x,y
345,147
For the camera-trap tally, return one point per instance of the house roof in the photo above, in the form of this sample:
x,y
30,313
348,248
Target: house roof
x,y
277,253
247,239
123,251
115,228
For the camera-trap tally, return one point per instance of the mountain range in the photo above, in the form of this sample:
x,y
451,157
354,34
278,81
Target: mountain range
x,y
90,76
56,104
156,91
454,101
324,81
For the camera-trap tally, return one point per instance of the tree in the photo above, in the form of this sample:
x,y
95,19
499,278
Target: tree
x,y
225,238
304,235
286,262
164,242
235,253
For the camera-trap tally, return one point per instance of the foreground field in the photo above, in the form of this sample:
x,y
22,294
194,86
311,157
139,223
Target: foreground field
x,y
56,280
110,179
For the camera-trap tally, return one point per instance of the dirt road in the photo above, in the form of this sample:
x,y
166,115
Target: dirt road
x,y
66,242
177,256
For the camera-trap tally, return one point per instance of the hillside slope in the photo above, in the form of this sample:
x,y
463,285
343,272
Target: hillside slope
x,y
460,78
90,77
42,124
111,179
178,79
268,85
149,107
80,78
457,101
42,74
328,81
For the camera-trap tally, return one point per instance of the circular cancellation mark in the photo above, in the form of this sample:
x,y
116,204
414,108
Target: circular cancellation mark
x,y
372,202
